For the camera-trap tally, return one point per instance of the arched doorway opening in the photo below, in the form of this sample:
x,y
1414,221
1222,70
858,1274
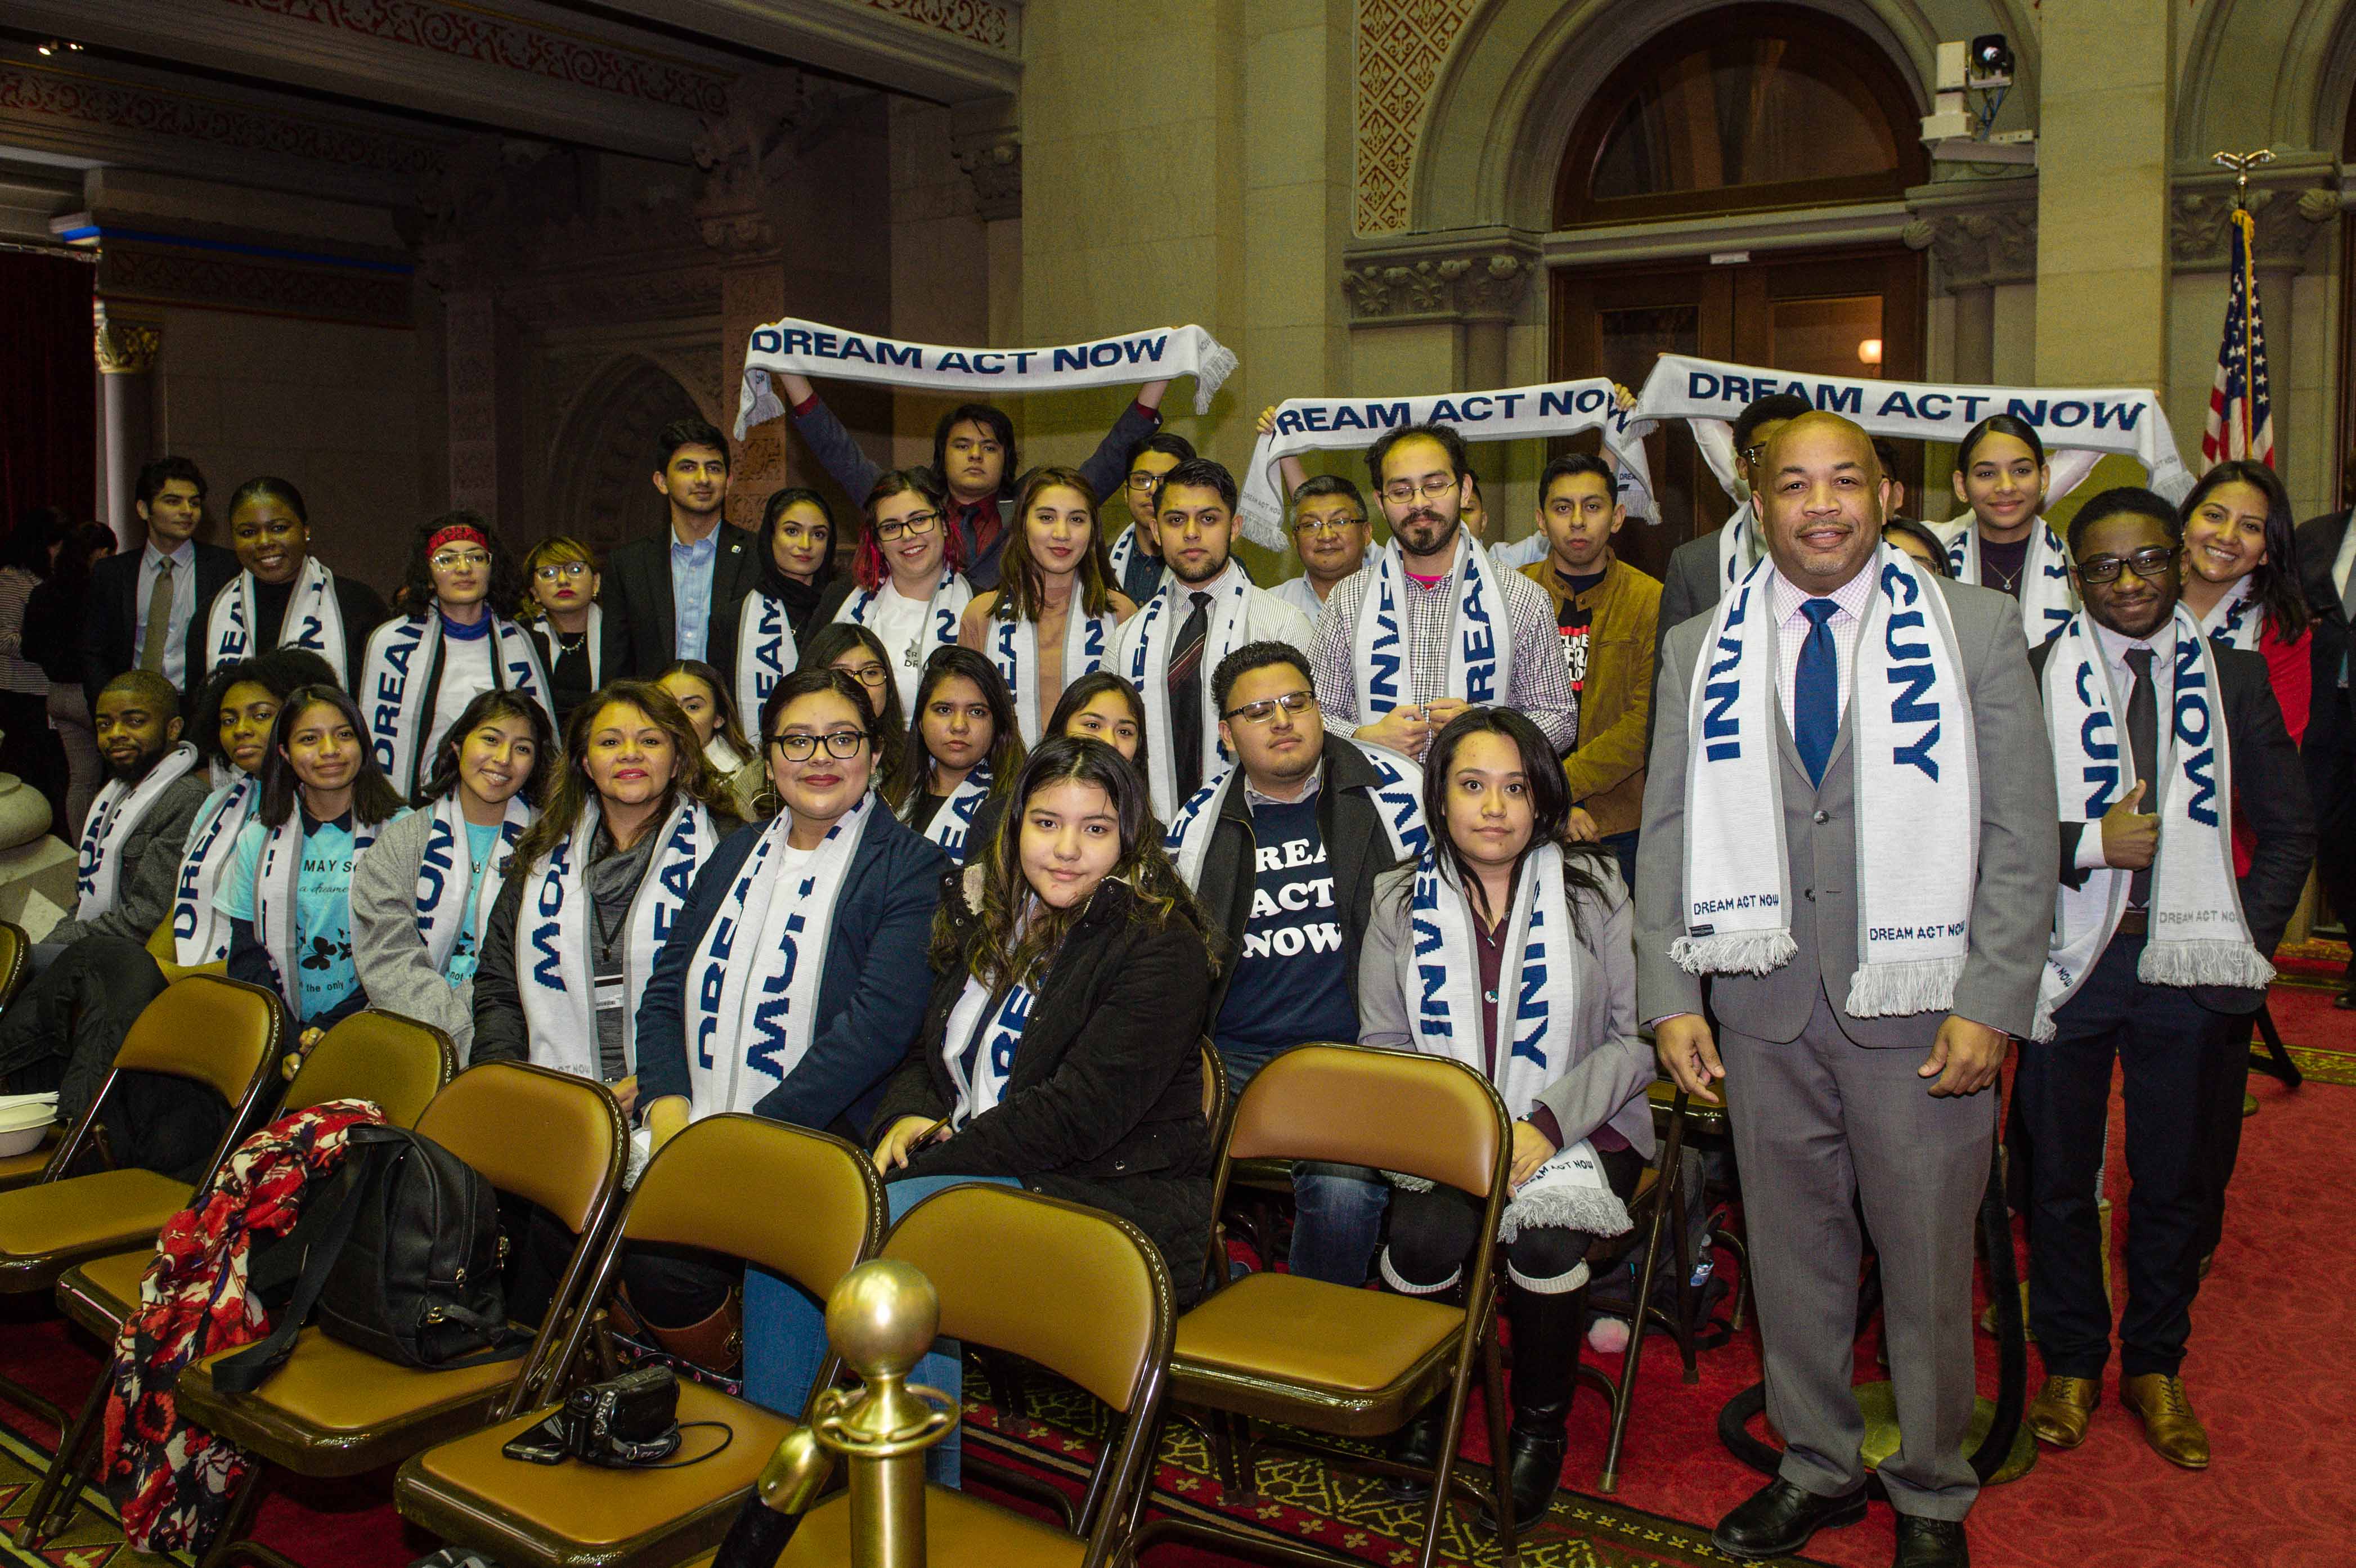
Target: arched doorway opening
x,y
1753,110
604,454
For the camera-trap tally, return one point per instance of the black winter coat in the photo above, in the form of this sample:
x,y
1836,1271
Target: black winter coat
x,y
1105,1105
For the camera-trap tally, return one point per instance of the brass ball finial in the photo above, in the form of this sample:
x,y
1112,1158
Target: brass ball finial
x,y
882,1317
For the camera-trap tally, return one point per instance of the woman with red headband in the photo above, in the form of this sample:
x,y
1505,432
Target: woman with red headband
x,y
423,667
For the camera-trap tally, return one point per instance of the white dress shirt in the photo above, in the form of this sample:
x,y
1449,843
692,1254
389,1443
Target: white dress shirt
x,y
1791,629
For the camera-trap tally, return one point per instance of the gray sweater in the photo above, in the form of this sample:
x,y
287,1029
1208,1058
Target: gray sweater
x,y
1614,1068
387,949
151,855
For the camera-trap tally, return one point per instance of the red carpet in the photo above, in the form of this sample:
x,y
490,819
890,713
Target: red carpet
x,y
2269,1372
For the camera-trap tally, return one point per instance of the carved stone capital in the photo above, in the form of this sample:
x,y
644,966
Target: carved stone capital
x,y
127,345
1976,246
1477,282
2289,221
994,164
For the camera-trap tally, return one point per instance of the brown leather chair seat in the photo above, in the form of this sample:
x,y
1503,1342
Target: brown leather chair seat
x,y
99,1293
24,1170
1370,1350
977,1535
626,1511
46,1229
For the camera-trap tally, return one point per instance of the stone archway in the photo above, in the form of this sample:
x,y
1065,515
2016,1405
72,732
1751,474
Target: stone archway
x,y
603,453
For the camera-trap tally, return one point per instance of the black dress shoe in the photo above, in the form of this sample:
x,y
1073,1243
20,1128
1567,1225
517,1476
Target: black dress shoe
x,y
1535,1446
1416,1444
1930,1544
1778,1518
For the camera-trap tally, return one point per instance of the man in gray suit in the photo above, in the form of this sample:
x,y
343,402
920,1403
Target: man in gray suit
x,y
1695,579
1827,1106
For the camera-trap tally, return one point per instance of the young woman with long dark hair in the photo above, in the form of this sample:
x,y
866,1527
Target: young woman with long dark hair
x,y
857,653
963,750
1099,706
2003,540
702,693
423,893
2241,577
1052,617
779,610
1509,948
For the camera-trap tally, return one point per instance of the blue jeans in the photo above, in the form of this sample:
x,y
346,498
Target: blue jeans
x,y
785,1335
1339,1208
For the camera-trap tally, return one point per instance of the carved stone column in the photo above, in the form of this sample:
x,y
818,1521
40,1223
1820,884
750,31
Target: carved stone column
x,y
1980,235
987,142
471,333
126,347
1475,284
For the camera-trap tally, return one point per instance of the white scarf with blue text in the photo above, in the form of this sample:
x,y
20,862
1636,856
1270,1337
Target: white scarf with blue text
x,y
2237,619
1142,655
2048,597
1916,787
1537,1011
978,1045
555,962
277,885
447,875
1397,794
118,808
752,986
2198,934
952,823
1738,547
951,594
1014,650
397,688
314,620
1124,547
200,931
1480,643
766,653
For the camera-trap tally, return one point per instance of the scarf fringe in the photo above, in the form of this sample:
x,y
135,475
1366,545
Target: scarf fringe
x,y
1736,952
2235,963
1406,1183
1597,1210
1219,362
1900,990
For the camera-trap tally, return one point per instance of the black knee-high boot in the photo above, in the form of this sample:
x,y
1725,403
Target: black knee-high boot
x,y
1547,1331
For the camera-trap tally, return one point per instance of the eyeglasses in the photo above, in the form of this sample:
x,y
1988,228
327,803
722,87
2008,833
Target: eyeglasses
x,y
1262,711
915,523
1401,491
1142,481
2146,563
1326,525
544,573
866,674
802,748
452,560
1753,453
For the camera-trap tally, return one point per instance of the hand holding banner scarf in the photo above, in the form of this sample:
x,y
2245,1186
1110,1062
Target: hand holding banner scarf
x,y
2080,424
1331,424
797,347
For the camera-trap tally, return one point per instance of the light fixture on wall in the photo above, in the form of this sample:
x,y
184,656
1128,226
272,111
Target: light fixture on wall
x,y
1868,351
53,46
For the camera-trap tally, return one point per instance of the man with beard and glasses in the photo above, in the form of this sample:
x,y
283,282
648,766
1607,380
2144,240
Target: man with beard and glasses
x,y
2158,957
1205,608
677,595
1430,625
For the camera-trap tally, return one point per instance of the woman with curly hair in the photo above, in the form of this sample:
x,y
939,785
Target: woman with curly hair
x,y
423,667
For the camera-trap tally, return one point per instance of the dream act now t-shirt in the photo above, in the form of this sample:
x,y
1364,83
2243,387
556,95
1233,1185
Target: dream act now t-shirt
x,y
1291,979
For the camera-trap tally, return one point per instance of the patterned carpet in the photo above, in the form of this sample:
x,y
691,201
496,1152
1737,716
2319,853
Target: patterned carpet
x,y
94,1539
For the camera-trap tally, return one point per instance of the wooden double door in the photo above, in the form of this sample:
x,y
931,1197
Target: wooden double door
x,y
1847,313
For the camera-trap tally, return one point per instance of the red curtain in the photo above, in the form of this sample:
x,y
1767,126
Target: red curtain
x,y
49,387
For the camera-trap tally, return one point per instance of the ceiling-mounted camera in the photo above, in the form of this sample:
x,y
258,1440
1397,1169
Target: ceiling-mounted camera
x,y
1972,82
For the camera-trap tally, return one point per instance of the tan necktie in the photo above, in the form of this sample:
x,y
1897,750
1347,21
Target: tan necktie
x,y
159,618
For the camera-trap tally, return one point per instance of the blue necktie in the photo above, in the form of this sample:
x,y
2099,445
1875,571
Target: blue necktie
x,y
1815,694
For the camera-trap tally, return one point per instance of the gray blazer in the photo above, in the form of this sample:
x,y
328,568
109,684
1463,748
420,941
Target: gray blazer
x,y
151,855
387,950
1606,1083
2012,909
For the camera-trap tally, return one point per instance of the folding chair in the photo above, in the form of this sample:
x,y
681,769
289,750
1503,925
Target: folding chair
x,y
824,1217
396,1063
1105,1325
15,961
334,1410
1352,1363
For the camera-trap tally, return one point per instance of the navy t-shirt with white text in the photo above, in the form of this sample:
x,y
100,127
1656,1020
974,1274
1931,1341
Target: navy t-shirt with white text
x,y
1291,980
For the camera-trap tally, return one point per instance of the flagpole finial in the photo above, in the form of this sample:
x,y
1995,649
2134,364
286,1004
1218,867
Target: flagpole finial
x,y
2242,164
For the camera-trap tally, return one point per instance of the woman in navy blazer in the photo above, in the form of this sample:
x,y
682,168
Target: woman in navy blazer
x,y
872,996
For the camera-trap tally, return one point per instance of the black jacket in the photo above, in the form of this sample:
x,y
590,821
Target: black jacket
x,y
361,607
112,621
641,623
2319,549
1105,1105
1357,850
2269,794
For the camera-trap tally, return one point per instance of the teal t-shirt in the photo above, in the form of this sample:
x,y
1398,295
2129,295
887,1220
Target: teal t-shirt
x,y
324,975
482,848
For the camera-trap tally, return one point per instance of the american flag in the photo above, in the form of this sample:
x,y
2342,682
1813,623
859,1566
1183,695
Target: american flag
x,y
2241,406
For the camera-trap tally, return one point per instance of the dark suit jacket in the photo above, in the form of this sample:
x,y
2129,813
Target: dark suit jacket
x,y
107,645
641,621
870,1005
1104,1103
2320,539
2269,794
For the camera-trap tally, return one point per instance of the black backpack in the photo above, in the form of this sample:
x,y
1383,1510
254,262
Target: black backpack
x,y
400,1257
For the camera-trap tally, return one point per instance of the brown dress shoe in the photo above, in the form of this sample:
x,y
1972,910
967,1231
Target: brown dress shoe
x,y
2062,1410
2167,1419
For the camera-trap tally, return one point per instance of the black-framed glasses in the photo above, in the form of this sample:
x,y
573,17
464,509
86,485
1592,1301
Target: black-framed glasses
x,y
1260,712
915,523
1754,452
1332,525
1141,480
869,675
802,748
552,573
2146,563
